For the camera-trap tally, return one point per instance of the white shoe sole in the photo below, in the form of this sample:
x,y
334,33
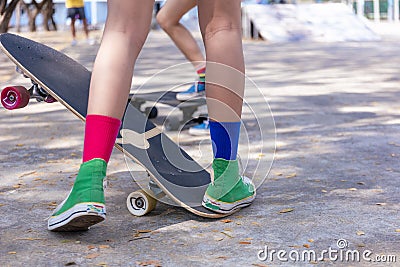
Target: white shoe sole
x,y
189,96
78,218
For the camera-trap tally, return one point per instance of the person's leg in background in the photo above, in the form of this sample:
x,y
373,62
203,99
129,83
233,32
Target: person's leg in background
x,y
127,26
169,18
71,15
220,23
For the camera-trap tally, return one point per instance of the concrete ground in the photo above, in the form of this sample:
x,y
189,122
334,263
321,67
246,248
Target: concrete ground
x,y
333,188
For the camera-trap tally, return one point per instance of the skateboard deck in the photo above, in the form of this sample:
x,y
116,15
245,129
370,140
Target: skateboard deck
x,y
170,168
188,108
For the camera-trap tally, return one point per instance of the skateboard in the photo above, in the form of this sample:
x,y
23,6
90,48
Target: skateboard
x,y
171,123
56,77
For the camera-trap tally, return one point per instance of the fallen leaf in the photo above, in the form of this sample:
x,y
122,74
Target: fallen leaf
x,y
259,265
91,247
292,175
27,174
222,257
310,240
245,242
226,221
286,210
104,246
1,205
218,238
19,145
306,245
148,263
397,230
12,252
359,233
228,235
92,256
144,231
29,238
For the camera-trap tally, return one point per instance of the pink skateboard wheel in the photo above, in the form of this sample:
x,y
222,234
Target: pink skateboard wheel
x,y
14,97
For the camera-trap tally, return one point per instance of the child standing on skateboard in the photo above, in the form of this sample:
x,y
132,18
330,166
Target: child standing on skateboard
x,y
125,32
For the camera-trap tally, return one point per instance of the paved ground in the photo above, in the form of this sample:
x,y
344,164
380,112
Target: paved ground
x,y
334,178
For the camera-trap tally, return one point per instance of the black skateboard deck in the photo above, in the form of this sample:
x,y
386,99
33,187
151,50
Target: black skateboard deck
x,y
188,108
170,168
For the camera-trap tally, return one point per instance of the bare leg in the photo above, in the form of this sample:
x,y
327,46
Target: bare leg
x,y
73,31
220,23
168,18
221,29
85,28
126,29
127,26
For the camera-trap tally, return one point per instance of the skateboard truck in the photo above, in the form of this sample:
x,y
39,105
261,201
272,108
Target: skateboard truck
x,y
40,94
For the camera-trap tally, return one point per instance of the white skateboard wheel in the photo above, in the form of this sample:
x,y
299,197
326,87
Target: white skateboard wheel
x,y
140,203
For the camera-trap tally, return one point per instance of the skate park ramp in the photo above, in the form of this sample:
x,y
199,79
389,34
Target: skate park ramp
x,y
330,22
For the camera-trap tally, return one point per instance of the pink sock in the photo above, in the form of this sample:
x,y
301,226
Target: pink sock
x,y
100,134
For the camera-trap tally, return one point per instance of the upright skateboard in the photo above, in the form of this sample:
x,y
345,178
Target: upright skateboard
x,y
56,77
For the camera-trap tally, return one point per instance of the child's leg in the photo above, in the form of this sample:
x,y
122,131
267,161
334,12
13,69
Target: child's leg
x,y
220,23
169,19
127,25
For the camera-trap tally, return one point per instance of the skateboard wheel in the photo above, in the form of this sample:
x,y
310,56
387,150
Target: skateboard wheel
x,y
151,112
140,203
14,97
172,123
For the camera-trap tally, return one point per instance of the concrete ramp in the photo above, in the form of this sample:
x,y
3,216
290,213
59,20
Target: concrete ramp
x,y
332,22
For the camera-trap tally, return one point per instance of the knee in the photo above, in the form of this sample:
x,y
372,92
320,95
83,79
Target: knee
x,y
221,26
164,21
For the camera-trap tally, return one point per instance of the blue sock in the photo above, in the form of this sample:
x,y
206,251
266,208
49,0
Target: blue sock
x,y
225,139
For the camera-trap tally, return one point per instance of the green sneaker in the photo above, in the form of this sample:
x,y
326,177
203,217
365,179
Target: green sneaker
x,y
228,190
85,204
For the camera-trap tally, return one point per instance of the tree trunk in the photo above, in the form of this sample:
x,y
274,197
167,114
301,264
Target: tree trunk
x,y
33,10
48,12
6,11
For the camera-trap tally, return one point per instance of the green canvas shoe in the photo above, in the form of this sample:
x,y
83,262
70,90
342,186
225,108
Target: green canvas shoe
x,y
85,204
228,190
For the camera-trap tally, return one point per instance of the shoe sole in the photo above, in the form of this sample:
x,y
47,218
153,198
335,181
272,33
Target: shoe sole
x,y
225,207
193,96
79,218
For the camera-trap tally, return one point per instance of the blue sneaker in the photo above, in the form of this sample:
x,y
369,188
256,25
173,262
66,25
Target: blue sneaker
x,y
201,129
198,89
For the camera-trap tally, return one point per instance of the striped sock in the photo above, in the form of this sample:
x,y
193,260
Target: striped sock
x,y
202,75
225,139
